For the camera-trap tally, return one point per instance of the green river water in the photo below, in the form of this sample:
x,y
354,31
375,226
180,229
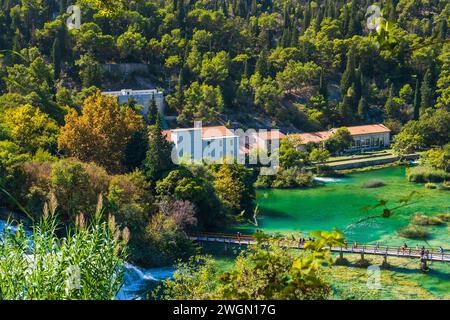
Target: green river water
x,y
339,202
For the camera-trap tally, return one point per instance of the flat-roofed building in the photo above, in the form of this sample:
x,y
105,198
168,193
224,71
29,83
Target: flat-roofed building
x,y
143,97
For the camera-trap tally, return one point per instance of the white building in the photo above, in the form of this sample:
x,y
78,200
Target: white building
x,y
143,97
213,144
365,137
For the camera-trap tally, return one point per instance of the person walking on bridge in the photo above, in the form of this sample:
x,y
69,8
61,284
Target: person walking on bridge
x,y
404,247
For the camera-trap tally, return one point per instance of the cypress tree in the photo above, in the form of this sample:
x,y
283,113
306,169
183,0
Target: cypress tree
x,y
362,109
158,156
294,33
389,107
62,6
136,149
323,86
152,111
318,20
426,91
345,109
358,84
261,64
181,15
443,29
417,100
56,56
307,16
348,77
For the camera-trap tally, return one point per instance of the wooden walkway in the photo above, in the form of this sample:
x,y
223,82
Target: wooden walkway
x,y
433,254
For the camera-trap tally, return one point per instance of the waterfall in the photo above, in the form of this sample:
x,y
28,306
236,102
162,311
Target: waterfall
x,y
138,280
327,179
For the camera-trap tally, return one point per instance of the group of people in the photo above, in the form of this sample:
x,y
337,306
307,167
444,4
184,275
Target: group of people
x,y
424,253
302,241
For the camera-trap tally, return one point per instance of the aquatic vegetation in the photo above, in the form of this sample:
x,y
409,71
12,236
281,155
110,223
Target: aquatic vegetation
x,y
424,220
430,185
413,232
443,216
374,183
426,174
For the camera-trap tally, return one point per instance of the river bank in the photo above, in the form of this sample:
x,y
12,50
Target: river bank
x,y
342,202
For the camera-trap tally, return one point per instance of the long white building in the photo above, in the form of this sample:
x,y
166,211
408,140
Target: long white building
x,y
143,97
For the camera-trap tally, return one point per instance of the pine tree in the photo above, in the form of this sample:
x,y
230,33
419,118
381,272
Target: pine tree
x,y
158,157
417,100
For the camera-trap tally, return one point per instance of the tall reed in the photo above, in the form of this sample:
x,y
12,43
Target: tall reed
x,y
87,263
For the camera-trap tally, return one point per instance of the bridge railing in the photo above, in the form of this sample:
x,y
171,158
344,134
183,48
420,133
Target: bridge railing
x,y
429,253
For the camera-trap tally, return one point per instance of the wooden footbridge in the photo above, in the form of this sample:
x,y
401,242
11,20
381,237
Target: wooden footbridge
x,y
429,254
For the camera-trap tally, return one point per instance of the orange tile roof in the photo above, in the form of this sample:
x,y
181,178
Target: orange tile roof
x,y
207,132
269,135
319,136
367,129
168,134
216,131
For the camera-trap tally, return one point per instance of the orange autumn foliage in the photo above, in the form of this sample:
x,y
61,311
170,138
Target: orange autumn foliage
x,y
101,133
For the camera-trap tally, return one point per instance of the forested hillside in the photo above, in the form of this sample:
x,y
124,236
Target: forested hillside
x,y
302,65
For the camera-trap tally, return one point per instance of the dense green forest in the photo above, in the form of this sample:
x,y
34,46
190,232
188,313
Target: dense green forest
x,y
294,65
298,64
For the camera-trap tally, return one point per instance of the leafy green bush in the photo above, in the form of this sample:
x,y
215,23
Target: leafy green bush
x,y
292,177
265,270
